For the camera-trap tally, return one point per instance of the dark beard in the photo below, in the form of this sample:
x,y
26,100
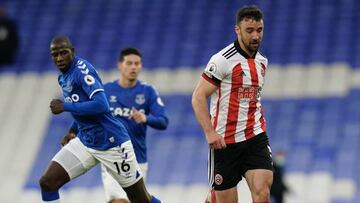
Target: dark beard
x,y
249,48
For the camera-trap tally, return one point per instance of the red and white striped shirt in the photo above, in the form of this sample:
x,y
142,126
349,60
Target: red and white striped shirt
x,y
235,108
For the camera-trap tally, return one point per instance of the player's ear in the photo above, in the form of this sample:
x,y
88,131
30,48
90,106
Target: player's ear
x,y
237,29
119,65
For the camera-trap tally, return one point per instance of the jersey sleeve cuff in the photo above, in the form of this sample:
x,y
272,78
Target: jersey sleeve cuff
x,y
212,80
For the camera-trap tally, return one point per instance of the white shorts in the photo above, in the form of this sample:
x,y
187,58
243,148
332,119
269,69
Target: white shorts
x,y
112,188
120,162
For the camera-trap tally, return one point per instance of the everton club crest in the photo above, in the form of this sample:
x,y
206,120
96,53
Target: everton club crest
x,y
140,99
68,87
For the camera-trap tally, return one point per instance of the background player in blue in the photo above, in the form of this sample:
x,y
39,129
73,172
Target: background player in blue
x,y
138,105
100,137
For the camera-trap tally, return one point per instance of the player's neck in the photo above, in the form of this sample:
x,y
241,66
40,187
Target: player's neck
x,y
64,70
126,83
249,53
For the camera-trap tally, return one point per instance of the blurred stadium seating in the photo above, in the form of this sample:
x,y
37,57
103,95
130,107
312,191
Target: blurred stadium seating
x,y
311,98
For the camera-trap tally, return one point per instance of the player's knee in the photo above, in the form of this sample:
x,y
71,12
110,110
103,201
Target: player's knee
x,y
262,192
48,184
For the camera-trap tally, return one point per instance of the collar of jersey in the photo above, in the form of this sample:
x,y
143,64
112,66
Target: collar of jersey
x,y
72,66
126,88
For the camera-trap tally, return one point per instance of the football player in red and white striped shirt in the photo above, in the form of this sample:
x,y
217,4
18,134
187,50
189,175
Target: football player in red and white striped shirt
x,y
235,128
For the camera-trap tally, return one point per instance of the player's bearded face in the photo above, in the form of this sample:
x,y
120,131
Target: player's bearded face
x,y
250,33
130,67
62,56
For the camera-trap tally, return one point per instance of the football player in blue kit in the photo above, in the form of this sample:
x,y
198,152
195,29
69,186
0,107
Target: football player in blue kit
x,y
100,137
137,105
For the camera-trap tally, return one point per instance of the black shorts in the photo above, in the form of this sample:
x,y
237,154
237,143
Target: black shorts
x,y
228,166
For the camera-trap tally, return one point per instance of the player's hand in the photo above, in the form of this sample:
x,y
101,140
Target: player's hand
x,y
56,106
66,139
137,116
215,141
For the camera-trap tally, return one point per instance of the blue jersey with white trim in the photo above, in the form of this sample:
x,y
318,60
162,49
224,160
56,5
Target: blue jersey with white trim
x,y
99,131
143,98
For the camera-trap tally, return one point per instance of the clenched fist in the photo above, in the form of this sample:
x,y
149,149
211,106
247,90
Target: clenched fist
x,y
66,139
57,106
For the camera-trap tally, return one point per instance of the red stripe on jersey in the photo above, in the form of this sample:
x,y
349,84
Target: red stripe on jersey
x,y
253,73
233,110
217,108
210,80
263,66
262,120
249,131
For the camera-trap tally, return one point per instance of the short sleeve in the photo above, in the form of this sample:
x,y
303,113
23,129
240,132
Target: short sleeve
x,y
89,80
216,70
156,102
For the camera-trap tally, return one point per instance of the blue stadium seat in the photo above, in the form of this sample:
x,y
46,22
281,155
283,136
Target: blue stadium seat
x,y
159,21
298,159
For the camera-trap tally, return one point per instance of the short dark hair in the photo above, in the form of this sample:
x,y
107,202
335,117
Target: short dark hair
x,y
128,51
251,12
62,38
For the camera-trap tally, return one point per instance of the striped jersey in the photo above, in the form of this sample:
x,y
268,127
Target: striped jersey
x,y
235,108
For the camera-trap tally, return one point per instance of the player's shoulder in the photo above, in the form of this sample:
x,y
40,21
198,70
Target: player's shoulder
x,y
219,61
110,84
222,57
83,71
145,85
148,87
82,66
261,57
228,51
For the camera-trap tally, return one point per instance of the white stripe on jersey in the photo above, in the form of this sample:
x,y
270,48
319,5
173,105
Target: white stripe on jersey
x,y
97,90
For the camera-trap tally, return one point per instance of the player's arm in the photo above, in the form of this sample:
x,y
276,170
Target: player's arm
x,y
202,91
91,85
93,88
157,117
98,104
159,122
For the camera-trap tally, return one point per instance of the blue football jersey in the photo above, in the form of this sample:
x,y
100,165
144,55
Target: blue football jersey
x,y
98,131
145,99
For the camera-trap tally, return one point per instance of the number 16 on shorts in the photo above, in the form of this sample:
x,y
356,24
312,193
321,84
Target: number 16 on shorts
x,y
123,168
